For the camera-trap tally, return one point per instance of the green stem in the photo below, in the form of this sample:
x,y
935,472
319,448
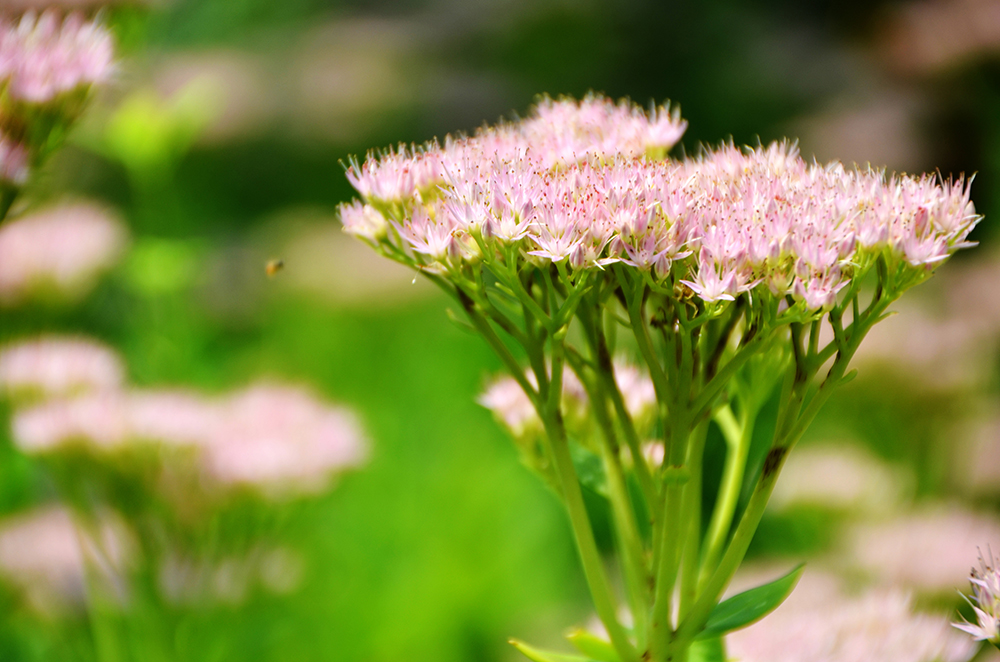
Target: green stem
x,y
691,531
483,326
636,572
634,299
607,385
792,424
715,385
737,435
593,567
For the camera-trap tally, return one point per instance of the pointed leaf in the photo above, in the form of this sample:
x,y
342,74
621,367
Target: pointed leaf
x,y
593,646
459,322
538,655
848,378
747,607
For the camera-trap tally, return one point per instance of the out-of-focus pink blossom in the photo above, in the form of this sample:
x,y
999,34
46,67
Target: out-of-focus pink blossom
x,y
45,56
281,439
944,537
934,35
62,247
818,623
276,439
48,556
512,407
53,366
99,420
978,468
842,477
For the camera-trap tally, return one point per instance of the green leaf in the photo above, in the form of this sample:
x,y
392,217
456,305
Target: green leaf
x,y
589,469
707,650
848,378
546,656
593,646
750,606
459,322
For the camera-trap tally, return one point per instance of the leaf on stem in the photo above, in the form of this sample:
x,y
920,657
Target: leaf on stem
x,y
750,606
539,655
593,646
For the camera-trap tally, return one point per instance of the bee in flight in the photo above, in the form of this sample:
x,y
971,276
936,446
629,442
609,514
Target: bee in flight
x,y
273,267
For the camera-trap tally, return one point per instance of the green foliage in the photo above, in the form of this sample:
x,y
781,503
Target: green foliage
x,y
745,608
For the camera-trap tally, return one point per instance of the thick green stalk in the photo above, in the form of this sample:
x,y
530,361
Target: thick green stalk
x,y
590,556
607,386
593,567
691,530
633,297
695,619
737,435
671,535
635,570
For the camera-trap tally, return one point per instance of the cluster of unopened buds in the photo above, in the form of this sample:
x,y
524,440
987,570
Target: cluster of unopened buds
x,y
569,237
48,64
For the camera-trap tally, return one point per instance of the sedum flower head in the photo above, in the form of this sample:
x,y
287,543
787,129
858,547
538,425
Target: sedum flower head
x,y
579,184
44,57
985,601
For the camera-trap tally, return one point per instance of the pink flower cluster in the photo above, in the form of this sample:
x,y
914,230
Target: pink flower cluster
x,y
53,366
879,625
580,183
985,601
277,439
45,56
62,247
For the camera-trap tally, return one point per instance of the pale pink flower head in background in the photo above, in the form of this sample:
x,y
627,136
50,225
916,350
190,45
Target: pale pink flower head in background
x,y
514,410
880,625
276,439
48,556
281,440
45,56
53,366
61,248
939,539
113,420
511,407
985,601
842,477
